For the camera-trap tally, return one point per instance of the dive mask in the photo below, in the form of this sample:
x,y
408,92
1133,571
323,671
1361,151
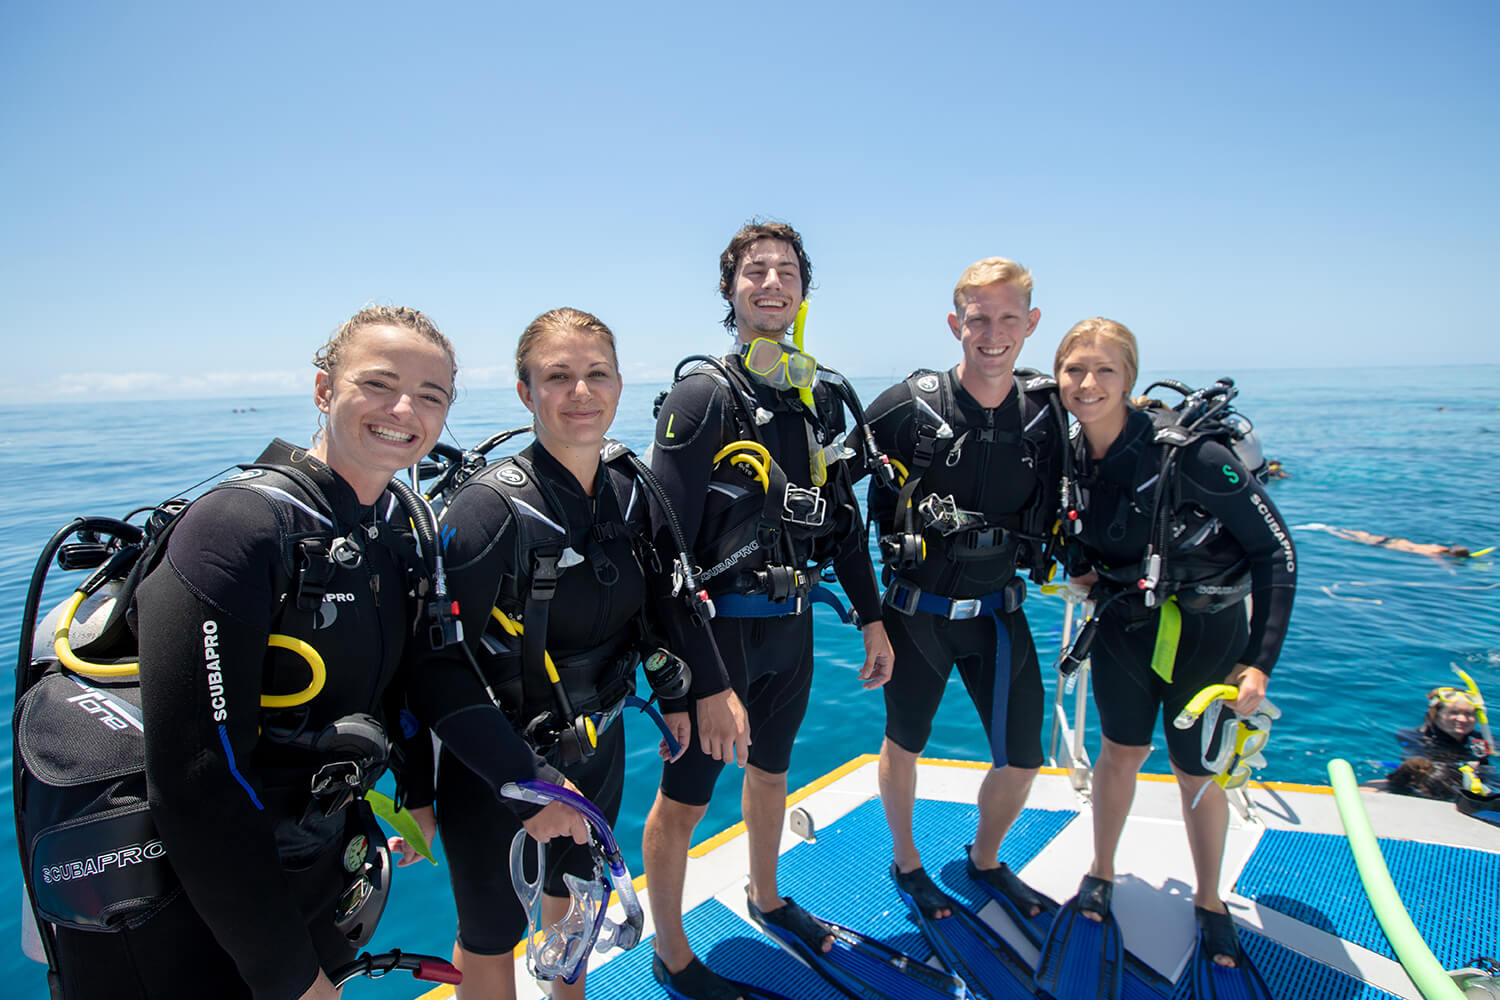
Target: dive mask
x,y
561,950
779,364
1237,754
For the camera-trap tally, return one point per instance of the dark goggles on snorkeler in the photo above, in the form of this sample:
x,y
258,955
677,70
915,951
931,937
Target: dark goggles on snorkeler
x,y
561,950
779,364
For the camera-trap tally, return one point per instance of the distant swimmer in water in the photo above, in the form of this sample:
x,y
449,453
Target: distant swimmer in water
x,y
1275,470
1398,544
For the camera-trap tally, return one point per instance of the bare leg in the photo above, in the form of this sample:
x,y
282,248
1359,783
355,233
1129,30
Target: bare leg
x,y
1114,791
1207,826
1002,796
763,804
668,835
898,796
486,977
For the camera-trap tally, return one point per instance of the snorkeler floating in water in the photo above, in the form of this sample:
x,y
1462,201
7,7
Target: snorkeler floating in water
x,y
1398,544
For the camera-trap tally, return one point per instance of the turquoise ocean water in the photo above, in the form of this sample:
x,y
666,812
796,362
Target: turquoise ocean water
x,y
1394,451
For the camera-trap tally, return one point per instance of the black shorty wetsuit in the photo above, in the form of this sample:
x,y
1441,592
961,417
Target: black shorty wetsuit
x,y
229,786
593,638
996,477
1224,529
768,661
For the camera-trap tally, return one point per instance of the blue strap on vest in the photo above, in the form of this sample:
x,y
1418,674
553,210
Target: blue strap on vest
x,y
1000,702
761,606
907,598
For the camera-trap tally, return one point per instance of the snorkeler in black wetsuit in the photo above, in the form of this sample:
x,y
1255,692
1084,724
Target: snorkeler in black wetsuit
x,y
1447,738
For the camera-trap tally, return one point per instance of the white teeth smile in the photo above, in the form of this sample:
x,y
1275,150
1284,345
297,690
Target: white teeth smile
x,y
390,435
771,303
993,352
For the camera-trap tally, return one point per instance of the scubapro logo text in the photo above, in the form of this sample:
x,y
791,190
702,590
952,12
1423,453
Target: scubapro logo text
x,y
120,858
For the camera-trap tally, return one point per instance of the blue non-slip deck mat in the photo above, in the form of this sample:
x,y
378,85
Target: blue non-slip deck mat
x,y
1312,878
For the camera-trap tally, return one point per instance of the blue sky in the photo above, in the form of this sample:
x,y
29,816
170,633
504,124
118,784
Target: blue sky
x,y
194,195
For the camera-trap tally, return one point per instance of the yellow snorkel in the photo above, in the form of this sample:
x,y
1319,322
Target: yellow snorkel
x,y
1240,751
1480,715
798,325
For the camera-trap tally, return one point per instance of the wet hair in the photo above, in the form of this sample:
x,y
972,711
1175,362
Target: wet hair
x,y
1105,331
331,355
991,271
555,321
750,232
1421,776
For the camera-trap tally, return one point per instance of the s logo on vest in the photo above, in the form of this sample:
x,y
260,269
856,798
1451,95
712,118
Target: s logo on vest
x,y
928,383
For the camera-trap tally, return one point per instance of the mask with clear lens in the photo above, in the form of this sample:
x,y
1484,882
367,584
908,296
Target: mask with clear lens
x,y
561,950
779,364
1454,696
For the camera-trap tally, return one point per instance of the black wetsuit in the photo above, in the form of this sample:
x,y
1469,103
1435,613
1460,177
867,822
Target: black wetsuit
x,y
768,661
1428,740
593,636
1224,528
229,784
997,476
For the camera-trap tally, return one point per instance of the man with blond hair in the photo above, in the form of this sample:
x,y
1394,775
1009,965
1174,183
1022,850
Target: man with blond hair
x,y
981,447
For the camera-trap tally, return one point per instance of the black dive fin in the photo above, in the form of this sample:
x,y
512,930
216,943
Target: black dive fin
x,y
863,967
1212,981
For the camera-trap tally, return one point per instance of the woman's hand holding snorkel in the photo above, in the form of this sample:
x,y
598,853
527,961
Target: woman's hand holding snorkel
x,y
558,819
1252,683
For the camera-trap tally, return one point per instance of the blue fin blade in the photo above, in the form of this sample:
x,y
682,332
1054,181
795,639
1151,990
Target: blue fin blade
x,y
1081,959
985,961
1141,981
867,969
1212,981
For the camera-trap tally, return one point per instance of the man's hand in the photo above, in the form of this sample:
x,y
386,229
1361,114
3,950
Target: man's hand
x,y
724,728
879,657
